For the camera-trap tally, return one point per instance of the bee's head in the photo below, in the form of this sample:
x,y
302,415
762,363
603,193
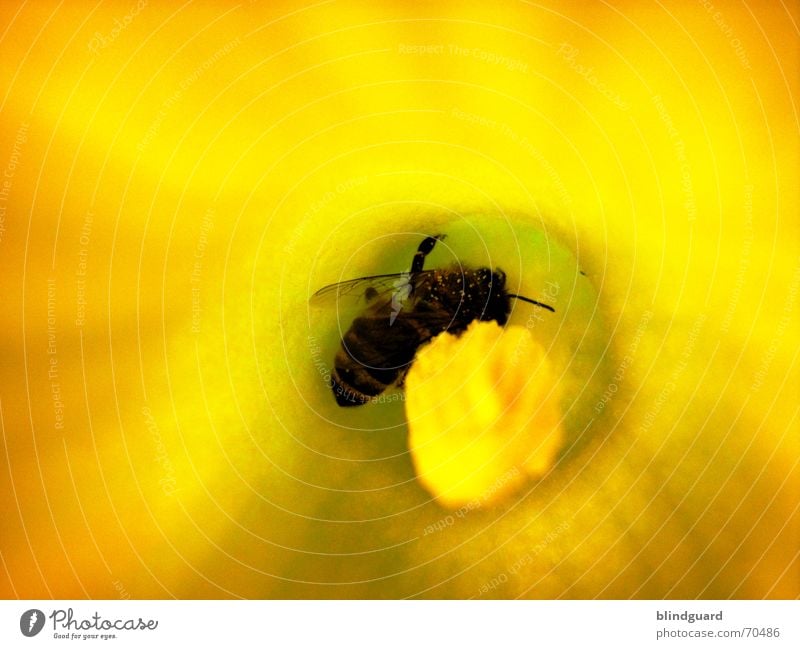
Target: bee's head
x,y
494,279
498,280
497,304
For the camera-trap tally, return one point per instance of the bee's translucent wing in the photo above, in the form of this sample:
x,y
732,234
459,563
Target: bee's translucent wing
x,y
366,290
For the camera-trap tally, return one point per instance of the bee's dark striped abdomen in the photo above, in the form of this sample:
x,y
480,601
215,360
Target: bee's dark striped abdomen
x,y
373,356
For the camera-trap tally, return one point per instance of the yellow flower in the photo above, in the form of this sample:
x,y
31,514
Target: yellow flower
x,y
176,182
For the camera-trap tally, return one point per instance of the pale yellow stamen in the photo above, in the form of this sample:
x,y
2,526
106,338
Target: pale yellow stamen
x,y
483,414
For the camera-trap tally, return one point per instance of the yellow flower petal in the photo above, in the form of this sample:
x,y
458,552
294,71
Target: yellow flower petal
x,y
182,441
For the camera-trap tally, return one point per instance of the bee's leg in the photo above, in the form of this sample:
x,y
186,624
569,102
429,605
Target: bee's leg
x,y
424,248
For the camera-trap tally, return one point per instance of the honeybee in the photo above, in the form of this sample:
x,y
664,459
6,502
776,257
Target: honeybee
x,y
404,311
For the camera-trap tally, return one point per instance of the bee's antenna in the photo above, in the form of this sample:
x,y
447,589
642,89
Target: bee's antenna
x,y
534,302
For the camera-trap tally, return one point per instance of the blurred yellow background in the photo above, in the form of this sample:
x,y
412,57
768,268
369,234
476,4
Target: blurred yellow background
x,y
178,179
